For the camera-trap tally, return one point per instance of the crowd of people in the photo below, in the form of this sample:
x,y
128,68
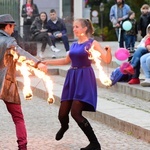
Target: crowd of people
x,y
37,27
119,13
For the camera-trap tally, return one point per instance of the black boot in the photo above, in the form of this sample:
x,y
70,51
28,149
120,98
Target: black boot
x,y
87,129
61,132
63,129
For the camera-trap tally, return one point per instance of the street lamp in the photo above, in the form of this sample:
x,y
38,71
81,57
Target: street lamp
x,y
101,9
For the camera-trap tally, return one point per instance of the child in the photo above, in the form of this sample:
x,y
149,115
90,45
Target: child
x,y
131,34
144,19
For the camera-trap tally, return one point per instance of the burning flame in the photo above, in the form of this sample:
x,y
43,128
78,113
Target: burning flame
x,y
48,82
26,69
95,55
27,92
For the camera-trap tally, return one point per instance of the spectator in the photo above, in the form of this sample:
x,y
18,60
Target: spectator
x,y
118,13
8,89
29,12
130,36
134,65
39,33
57,29
144,19
80,90
145,64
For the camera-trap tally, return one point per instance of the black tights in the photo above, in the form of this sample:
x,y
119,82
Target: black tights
x,y
76,108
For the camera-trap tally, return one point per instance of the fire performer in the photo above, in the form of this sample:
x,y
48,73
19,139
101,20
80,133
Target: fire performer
x,y
80,89
8,87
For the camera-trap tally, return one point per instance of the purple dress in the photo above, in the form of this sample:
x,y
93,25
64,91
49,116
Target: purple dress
x,y
80,83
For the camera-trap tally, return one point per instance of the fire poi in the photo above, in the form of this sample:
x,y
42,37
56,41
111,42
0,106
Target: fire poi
x,y
95,55
24,66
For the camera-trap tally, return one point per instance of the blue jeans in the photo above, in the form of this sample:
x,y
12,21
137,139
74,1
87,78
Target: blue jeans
x,y
145,64
64,39
135,61
130,41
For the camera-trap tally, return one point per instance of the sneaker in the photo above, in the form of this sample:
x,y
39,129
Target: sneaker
x,y
129,70
146,83
134,81
53,56
41,55
54,49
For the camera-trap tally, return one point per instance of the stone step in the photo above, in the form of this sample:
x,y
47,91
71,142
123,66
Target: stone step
x,y
121,87
121,116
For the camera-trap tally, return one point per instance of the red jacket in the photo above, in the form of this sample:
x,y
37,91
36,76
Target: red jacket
x,y
147,42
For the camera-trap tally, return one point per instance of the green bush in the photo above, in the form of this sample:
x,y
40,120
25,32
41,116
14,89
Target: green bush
x,y
107,35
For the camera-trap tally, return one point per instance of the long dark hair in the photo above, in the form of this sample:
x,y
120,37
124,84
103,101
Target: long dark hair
x,y
43,12
31,2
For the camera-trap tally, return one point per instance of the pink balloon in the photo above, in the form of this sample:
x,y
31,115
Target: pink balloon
x,y
122,54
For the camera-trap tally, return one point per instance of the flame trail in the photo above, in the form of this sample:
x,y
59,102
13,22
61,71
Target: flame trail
x,y
95,55
25,69
48,82
27,92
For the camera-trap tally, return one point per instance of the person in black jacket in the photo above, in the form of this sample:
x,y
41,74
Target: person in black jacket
x,y
29,12
39,33
57,29
144,19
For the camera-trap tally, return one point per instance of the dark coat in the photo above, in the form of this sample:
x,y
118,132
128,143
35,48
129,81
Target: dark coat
x,y
134,29
59,26
27,21
143,23
8,86
36,26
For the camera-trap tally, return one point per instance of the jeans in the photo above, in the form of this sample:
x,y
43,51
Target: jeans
x,y
18,119
135,61
130,41
64,39
145,64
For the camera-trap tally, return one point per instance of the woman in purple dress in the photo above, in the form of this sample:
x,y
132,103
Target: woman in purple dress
x,y
80,88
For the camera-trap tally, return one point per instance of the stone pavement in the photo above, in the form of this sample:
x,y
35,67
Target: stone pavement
x,y
42,125
119,117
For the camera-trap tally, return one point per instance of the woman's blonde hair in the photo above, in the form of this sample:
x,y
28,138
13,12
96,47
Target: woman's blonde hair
x,y
87,23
